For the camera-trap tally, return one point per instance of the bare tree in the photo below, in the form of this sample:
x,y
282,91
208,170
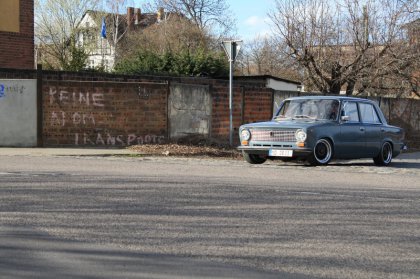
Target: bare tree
x,y
174,35
264,56
55,29
117,23
210,15
346,44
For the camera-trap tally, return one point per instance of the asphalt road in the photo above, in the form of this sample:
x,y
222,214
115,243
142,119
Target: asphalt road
x,y
122,217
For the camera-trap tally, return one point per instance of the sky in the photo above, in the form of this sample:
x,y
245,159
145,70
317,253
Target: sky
x,y
251,17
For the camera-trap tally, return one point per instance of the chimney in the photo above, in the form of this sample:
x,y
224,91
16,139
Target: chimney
x,y
137,13
130,18
160,14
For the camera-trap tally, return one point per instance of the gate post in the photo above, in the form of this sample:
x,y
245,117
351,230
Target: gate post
x,y
40,110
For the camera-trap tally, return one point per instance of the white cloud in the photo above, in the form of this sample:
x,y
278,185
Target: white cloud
x,y
255,26
254,21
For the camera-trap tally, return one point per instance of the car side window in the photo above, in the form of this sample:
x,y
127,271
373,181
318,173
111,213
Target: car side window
x,y
369,114
350,110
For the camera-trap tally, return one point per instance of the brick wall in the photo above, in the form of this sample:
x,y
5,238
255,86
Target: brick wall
x,y
101,113
258,104
17,49
83,109
250,104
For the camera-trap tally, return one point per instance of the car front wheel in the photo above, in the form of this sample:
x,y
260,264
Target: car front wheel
x,y
254,158
384,157
322,153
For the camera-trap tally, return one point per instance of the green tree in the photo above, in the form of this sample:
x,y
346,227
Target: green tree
x,y
183,63
77,60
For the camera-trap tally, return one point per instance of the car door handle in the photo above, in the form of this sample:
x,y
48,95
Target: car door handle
x,y
382,130
362,129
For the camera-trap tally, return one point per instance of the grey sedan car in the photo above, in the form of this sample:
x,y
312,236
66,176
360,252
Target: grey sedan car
x,y
318,129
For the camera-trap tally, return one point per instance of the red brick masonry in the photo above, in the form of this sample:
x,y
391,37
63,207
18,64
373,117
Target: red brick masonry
x,y
17,49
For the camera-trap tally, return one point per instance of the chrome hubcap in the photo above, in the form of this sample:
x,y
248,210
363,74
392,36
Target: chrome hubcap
x,y
386,153
323,151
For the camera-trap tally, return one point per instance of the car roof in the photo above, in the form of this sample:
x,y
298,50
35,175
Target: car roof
x,y
341,98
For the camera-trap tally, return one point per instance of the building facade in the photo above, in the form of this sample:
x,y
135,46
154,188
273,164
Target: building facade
x,y
100,33
17,34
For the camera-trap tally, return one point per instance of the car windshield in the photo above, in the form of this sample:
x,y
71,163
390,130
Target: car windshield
x,y
311,109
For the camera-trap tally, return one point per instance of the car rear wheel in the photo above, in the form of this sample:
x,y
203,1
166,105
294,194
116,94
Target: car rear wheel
x,y
384,157
254,158
322,153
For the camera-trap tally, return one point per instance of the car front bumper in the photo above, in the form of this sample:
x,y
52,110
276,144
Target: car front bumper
x,y
298,152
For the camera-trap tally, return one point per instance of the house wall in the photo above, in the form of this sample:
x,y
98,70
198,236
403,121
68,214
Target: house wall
x,y
9,20
101,53
281,85
17,34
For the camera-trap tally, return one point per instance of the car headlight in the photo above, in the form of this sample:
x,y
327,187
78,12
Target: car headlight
x,y
300,135
245,134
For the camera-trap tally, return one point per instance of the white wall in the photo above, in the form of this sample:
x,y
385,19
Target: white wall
x,y
282,85
18,113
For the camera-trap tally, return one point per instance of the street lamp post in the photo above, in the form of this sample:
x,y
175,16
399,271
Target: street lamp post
x,y
232,49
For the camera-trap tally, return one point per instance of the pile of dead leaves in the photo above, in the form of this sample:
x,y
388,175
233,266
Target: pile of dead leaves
x,y
187,150
191,146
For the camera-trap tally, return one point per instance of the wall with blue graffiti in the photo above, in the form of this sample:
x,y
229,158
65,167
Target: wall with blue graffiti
x,y
18,113
2,87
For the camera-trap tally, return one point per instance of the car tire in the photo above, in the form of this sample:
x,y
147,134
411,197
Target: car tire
x,y
384,157
254,158
322,153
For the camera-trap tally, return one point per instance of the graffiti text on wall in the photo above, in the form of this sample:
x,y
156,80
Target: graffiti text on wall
x,y
116,140
16,88
64,97
76,118
85,107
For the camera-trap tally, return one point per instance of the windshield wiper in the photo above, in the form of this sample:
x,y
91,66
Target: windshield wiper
x,y
281,117
302,116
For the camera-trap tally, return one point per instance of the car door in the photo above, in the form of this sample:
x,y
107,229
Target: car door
x,y
373,128
351,141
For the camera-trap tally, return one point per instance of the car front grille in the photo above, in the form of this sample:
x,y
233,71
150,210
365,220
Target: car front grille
x,y
284,135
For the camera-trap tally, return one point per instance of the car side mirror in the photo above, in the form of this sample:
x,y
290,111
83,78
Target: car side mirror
x,y
345,118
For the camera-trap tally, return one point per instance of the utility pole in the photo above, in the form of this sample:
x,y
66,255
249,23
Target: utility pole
x,y
232,49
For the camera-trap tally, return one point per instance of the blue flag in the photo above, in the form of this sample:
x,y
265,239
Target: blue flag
x,y
103,29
